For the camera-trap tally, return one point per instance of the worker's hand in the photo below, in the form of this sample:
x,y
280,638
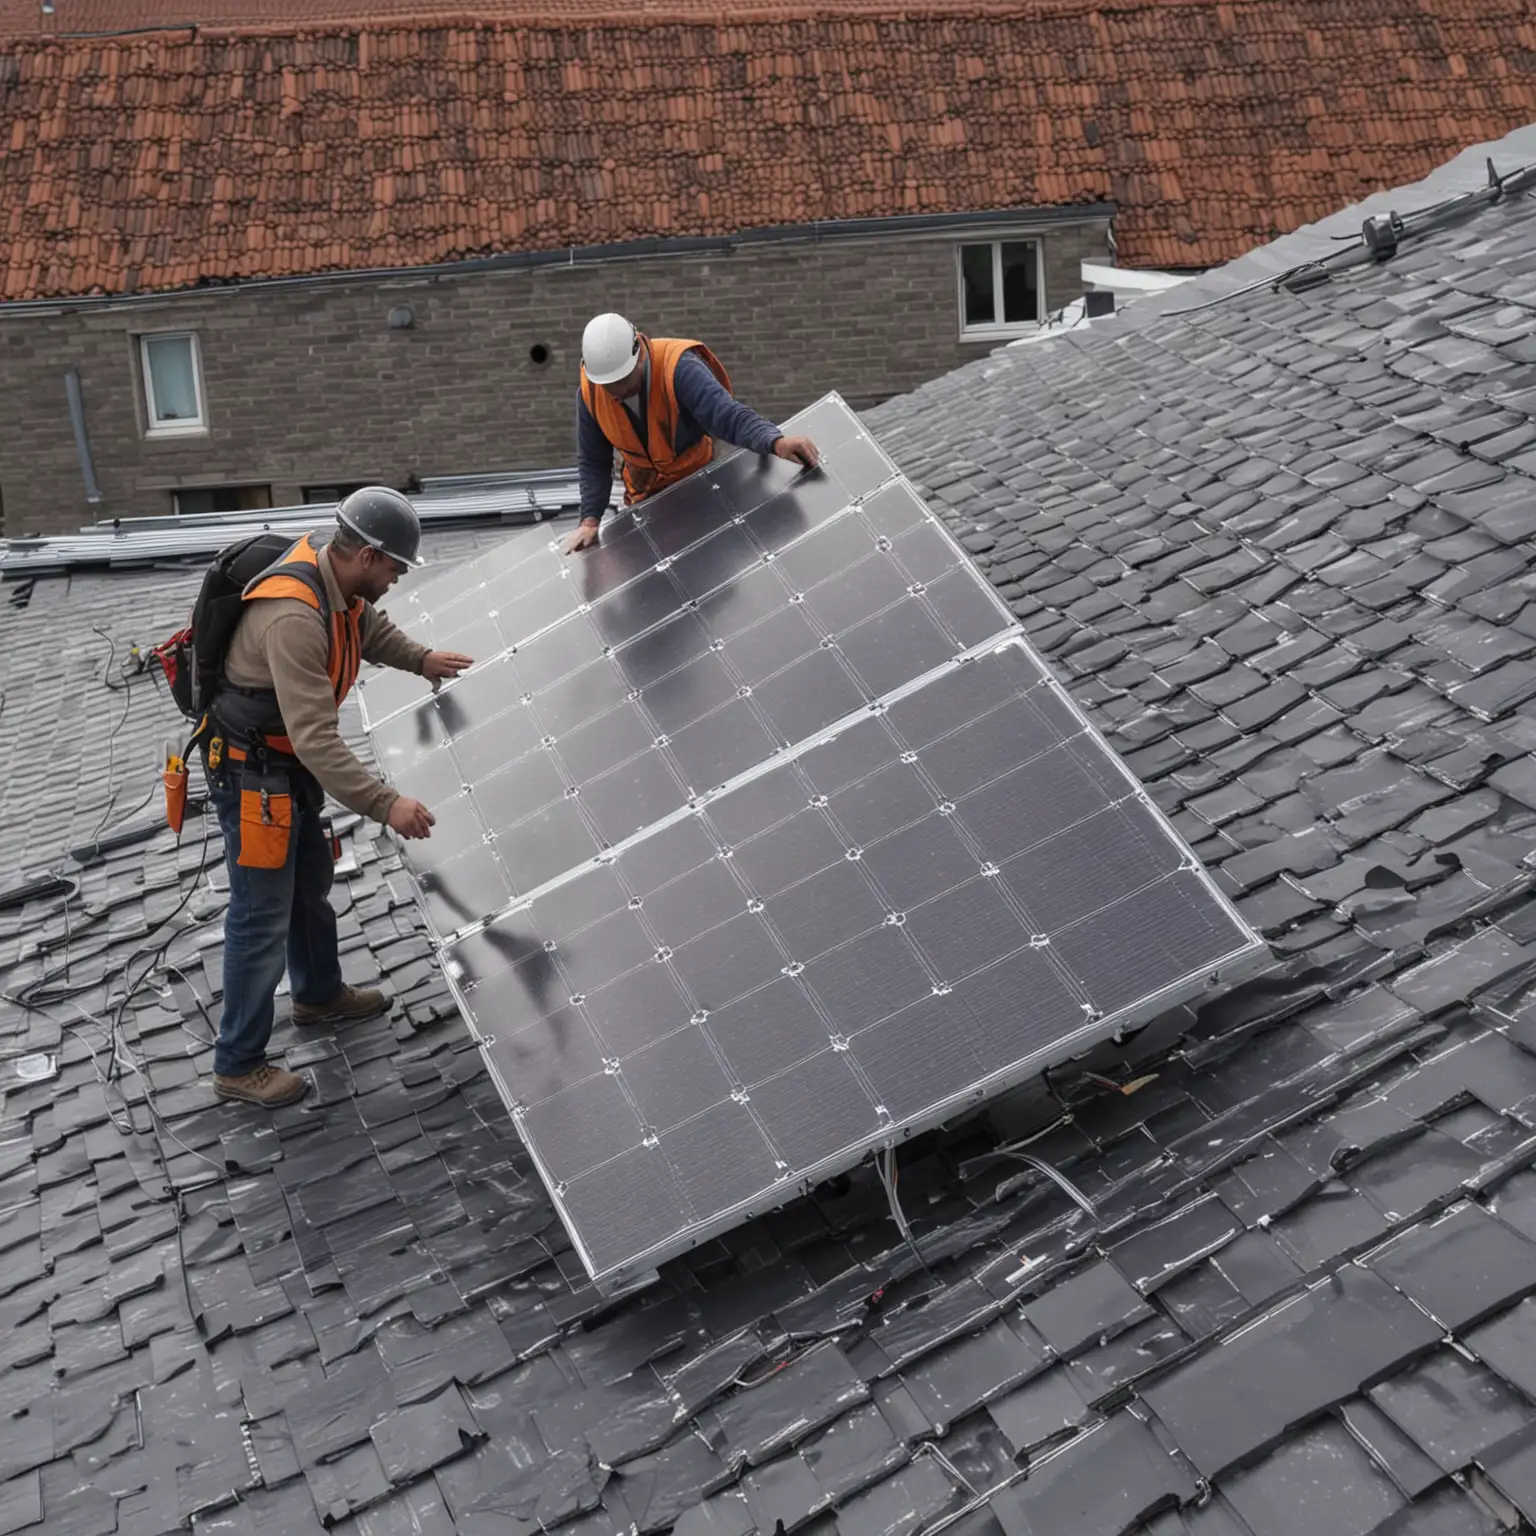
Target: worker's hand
x,y
798,450
584,538
436,665
410,818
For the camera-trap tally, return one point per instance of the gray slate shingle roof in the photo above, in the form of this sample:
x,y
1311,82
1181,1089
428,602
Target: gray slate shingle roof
x,y
1281,548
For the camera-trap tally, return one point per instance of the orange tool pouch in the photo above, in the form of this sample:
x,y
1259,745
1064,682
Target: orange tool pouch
x,y
266,819
175,777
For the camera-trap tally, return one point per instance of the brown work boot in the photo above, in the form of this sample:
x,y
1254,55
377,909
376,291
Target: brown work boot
x,y
349,1006
267,1086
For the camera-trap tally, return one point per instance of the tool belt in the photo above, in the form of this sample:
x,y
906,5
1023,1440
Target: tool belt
x,y
263,773
266,816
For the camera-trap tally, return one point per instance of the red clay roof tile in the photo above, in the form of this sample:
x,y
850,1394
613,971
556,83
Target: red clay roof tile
x,y
150,162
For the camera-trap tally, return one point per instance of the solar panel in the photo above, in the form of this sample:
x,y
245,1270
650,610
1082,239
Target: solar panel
x,y
769,843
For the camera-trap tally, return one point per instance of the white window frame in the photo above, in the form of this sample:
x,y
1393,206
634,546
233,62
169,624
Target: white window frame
x,y
190,426
1000,330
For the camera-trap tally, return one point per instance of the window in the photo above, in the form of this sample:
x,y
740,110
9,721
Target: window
x,y
200,501
1000,287
173,386
326,495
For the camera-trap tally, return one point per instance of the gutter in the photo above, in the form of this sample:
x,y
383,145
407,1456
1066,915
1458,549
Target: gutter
x,y
632,250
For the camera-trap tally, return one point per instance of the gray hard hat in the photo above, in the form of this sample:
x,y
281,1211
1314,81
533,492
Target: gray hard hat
x,y
384,519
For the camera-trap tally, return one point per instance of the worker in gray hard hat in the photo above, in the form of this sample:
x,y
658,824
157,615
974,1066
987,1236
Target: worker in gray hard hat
x,y
274,751
658,402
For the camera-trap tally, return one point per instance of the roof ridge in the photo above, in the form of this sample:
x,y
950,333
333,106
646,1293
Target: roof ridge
x,y
611,13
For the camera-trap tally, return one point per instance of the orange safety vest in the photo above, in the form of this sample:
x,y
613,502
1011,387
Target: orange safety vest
x,y
655,464
346,654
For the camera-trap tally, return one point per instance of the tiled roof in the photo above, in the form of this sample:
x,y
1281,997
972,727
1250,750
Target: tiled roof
x,y
74,18
1282,550
163,161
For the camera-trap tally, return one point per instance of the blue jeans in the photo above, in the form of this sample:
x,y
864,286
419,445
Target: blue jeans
x,y
275,916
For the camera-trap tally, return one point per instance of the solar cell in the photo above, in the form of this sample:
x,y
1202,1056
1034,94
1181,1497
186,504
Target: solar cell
x,y
769,843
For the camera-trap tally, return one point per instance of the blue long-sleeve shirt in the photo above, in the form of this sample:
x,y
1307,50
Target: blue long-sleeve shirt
x,y
706,409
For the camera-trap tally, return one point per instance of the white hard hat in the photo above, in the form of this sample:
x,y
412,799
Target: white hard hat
x,y
609,347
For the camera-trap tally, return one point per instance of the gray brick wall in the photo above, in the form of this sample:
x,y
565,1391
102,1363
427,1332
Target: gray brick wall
x,y
307,385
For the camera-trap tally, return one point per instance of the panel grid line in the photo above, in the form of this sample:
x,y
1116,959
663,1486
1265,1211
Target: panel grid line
x,y
830,867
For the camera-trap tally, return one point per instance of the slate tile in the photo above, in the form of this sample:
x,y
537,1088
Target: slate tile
x,y
1040,1411
853,1453
74,1507
21,1503
497,1482
1452,1408
1334,1143
906,1334
724,1515
1174,1244
1460,1268
616,1348
963,1375
1410,1179
1094,1304
1321,1480
1236,1401
81,1414
415,1511
640,1425
555,1491
782,1494
346,1483
1203,1301
1497,691
1335,1223
697,1382
1459,973
86,1346
659,1488
332,1414
413,1440
1446,1512
1106,1481
1508,1344
422,1361
1104,1371
1511,1467
899,1409
802,1397
903,1504
1408,1467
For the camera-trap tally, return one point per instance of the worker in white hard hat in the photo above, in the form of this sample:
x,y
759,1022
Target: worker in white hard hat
x,y
659,402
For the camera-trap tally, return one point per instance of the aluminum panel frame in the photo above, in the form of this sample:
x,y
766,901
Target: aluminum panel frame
x,y
618,1275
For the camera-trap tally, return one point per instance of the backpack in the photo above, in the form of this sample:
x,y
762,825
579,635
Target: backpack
x,y
193,658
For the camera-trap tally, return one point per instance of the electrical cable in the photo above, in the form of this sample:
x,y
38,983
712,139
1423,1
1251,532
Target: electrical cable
x,y
120,1058
32,990
1062,1182
889,1176
127,692
202,1008
120,686
1420,221
156,953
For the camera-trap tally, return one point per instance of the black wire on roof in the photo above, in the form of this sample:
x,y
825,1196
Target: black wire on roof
x,y
1381,237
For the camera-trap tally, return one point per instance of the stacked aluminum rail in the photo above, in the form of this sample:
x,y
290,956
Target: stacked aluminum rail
x,y
511,497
